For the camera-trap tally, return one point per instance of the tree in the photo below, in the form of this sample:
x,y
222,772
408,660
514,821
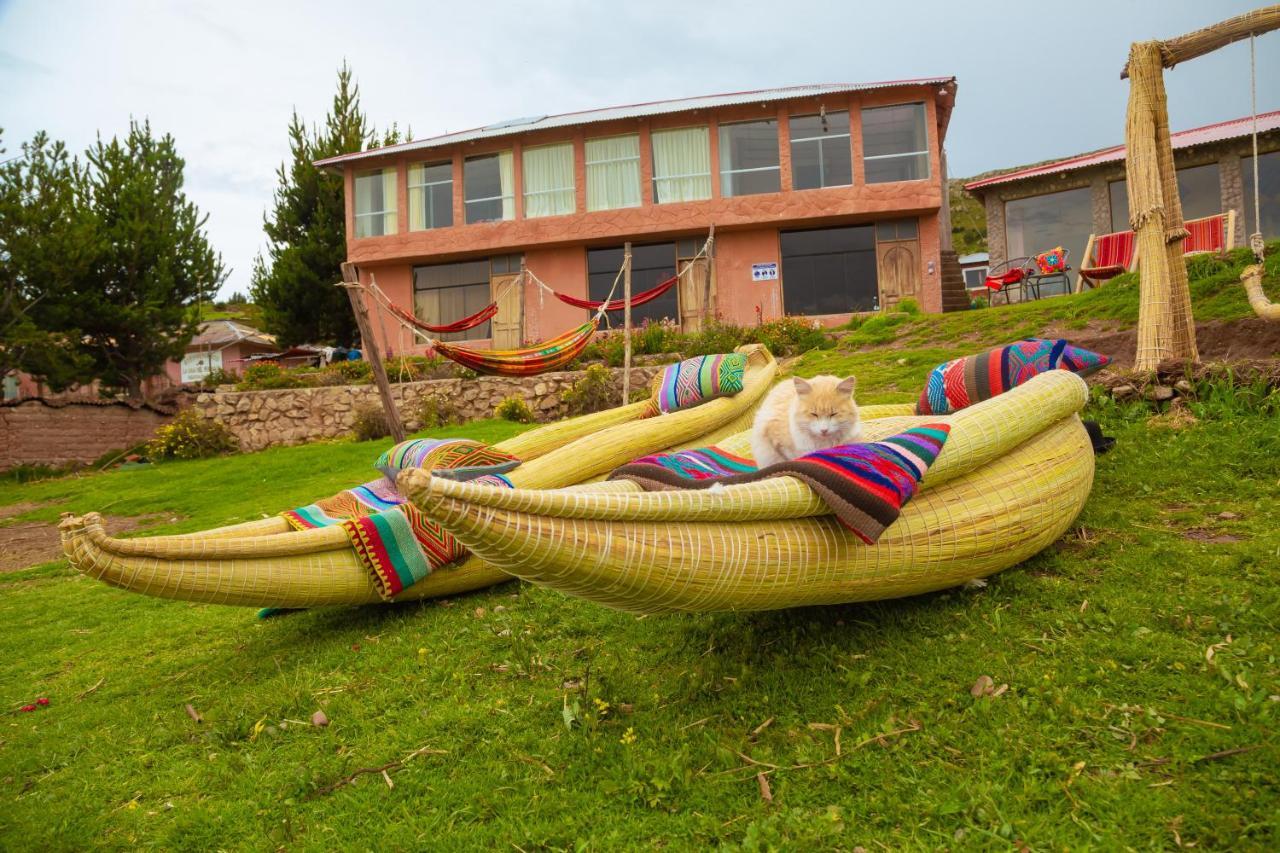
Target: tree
x,y
306,230
151,261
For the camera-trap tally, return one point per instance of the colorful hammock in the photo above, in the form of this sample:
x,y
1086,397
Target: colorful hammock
x,y
485,313
618,304
547,356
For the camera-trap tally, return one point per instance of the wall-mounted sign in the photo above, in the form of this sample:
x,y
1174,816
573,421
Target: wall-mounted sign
x,y
198,365
764,272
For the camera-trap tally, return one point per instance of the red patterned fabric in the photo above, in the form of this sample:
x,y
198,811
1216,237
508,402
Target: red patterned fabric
x,y
547,356
999,282
618,304
485,313
1205,235
1112,255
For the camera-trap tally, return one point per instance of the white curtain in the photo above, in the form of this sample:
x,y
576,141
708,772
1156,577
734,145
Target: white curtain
x,y
389,201
376,203
417,198
681,165
548,180
507,175
613,172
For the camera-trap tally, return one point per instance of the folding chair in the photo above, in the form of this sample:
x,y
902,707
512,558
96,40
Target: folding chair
x,y
1105,257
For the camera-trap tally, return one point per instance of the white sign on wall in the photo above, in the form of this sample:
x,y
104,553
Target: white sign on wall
x,y
764,272
198,365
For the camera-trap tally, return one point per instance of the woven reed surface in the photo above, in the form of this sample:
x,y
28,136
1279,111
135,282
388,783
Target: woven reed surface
x,y
975,524
259,564
1251,278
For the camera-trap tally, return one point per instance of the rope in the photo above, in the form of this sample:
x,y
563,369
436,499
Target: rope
x,y
1255,239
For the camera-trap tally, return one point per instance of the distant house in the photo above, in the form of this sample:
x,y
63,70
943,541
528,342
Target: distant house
x,y
1031,209
974,267
219,345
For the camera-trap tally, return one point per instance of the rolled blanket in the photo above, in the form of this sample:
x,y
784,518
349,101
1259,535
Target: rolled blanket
x,y
865,485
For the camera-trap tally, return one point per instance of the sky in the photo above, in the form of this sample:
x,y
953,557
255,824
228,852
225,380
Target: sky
x,y
1036,80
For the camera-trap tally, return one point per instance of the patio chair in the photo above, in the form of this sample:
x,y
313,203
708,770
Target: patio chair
x,y
1008,277
1105,257
1210,234
1048,268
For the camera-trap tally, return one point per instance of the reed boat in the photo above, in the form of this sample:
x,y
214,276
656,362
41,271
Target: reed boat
x,y
1012,477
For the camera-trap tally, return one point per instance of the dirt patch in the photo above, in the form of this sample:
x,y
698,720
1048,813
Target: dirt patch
x,y
30,543
1200,534
17,509
1217,340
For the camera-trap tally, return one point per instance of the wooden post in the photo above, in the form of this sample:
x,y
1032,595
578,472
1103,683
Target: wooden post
x,y
524,280
626,323
369,346
711,277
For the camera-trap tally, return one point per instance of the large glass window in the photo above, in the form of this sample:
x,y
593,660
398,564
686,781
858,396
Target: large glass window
x,y
1040,223
1119,192
820,153
489,183
430,196
613,172
1199,188
749,158
830,270
895,143
548,180
650,265
376,203
443,293
1269,192
681,165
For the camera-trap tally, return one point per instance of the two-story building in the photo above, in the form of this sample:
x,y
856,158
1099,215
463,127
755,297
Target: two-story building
x,y
826,200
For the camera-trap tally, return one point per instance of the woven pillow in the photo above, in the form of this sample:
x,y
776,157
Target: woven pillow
x,y
694,381
454,458
1052,261
964,381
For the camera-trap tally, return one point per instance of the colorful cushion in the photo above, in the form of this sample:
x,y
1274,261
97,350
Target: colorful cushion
x,y
696,380
454,458
964,381
1052,261
864,485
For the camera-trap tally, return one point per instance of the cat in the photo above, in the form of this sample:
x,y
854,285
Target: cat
x,y
805,415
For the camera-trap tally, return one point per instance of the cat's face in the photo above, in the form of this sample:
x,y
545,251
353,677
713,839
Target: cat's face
x,y
824,408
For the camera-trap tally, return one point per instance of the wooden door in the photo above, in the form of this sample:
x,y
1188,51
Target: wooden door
x,y
898,265
508,323
695,293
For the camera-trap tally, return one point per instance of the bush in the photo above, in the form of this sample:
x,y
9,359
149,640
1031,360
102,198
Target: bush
x,y
437,410
189,436
348,372
268,376
909,306
790,336
592,393
370,423
514,409
218,376
715,337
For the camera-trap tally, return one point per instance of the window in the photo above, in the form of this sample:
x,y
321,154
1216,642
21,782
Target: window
x,y
895,144
681,165
650,266
443,293
1198,188
897,229
830,270
430,196
1269,190
548,180
820,153
489,183
1039,223
749,158
975,278
1119,192
613,172
376,203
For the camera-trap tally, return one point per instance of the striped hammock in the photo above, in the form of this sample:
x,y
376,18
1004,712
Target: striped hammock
x,y
547,356
485,313
618,304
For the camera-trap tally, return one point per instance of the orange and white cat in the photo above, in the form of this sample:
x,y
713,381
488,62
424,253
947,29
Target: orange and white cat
x,y
805,415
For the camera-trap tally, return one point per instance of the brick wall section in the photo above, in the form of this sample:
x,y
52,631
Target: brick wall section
x,y
262,419
33,433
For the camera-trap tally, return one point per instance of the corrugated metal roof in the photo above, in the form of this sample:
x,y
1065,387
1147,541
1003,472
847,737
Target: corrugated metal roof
x,y
652,108
220,333
1182,139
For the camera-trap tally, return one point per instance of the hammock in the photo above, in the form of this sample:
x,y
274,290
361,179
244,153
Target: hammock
x,y
485,313
618,304
549,355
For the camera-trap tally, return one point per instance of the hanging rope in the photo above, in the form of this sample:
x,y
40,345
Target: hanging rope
x,y
1255,239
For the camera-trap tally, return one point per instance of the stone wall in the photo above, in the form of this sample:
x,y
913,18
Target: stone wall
x,y
297,415
34,432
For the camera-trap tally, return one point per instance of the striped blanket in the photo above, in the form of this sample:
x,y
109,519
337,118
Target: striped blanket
x,y
865,485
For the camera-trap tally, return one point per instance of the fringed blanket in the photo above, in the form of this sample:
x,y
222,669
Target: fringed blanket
x,y
865,485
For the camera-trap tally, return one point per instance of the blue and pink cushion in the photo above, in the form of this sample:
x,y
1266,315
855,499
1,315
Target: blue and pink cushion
x,y
964,381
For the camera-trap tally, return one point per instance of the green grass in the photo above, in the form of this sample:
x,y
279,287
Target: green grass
x,y
1115,730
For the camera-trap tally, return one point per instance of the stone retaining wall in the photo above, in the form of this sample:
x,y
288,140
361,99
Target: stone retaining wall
x,y
297,415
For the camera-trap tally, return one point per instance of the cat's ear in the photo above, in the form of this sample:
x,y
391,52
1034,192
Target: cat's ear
x,y
846,386
802,387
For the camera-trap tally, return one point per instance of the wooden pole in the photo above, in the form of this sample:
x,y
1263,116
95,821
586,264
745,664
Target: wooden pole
x,y
707,308
524,280
626,323
1211,38
369,346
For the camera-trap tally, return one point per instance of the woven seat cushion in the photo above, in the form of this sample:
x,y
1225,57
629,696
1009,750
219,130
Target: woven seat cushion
x,y
454,458
1102,273
694,381
964,381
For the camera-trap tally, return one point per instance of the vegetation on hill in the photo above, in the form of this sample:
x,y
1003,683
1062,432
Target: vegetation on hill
x,y
968,219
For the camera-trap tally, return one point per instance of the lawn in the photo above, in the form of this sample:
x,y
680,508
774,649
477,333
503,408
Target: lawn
x,y
1134,695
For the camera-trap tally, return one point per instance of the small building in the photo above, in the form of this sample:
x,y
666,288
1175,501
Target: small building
x,y
974,267
219,345
1031,209
826,200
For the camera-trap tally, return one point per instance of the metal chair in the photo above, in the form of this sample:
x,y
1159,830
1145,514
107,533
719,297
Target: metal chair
x,y
1008,277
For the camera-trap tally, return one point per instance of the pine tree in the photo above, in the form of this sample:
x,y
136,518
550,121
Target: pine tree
x,y
306,231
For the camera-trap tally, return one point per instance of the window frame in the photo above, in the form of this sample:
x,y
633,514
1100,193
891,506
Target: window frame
x,y
726,174
572,189
357,216
480,332
655,180
429,194
924,125
467,202
818,140
588,163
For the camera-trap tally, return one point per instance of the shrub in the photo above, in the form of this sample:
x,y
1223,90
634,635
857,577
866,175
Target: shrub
x,y
218,376
437,410
715,337
514,409
592,393
268,376
189,436
370,423
790,336
909,306
349,372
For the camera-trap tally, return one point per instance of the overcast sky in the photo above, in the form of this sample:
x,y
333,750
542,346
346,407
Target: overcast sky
x,y
1036,80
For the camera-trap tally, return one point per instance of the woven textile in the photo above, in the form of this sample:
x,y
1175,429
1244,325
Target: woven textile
x,y
696,380
547,356
374,496
455,458
964,381
1052,261
865,485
